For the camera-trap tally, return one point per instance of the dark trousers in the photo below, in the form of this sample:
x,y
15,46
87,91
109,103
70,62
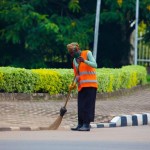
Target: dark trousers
x,y
86,105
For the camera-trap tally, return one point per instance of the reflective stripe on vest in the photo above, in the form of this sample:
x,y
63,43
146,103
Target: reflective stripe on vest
x,y
87,81
87,72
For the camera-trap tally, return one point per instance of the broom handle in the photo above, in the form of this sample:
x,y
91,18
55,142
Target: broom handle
x,y
69,89
69,92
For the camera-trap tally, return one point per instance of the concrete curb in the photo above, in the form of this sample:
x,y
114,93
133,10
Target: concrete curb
x,y
125,120
20,128
118,121
47,97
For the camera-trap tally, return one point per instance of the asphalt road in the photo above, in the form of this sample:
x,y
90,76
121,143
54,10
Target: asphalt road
x,y
120,138
77,145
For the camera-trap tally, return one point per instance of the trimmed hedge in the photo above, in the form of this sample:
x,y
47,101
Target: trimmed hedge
x,y
127,77
148,78
48,81
17,80
56,81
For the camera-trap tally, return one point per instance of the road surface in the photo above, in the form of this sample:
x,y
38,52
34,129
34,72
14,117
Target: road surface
x,y
119,138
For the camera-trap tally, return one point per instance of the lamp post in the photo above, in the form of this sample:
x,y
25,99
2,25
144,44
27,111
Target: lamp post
x,y
136,32
96,28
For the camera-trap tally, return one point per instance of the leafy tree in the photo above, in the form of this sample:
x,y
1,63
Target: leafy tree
x,y
30,32
34,33
37,31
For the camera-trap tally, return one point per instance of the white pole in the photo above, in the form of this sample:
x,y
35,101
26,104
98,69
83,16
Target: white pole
x,y
96,28
136,32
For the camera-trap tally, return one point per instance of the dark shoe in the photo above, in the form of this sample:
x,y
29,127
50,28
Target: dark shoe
x,y
76,128
85,127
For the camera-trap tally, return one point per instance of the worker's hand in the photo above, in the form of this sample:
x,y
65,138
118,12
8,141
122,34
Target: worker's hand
x,y
80,59
72,86
63,110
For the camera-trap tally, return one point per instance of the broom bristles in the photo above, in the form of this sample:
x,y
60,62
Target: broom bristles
x,y
56,124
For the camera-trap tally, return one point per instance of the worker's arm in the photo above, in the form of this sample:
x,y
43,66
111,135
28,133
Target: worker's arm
x,y
91,61
75,66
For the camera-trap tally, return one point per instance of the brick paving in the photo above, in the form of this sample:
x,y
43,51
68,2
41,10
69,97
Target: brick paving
x,y
44,113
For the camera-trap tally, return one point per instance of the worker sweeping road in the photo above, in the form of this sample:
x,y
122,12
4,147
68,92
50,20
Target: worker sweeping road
x,y
84,66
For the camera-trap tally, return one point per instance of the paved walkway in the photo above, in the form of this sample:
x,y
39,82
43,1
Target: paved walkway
x,y
43,114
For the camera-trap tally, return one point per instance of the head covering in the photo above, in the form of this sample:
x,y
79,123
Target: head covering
x,y
74,46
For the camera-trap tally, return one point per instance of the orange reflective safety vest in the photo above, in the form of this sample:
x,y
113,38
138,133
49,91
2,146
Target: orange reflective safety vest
x,y
85,75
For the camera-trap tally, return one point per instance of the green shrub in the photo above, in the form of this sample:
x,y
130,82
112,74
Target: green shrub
x,y
17,80
148,78
105,80
67,77
137,74
55,81
1,81
126,77
49,81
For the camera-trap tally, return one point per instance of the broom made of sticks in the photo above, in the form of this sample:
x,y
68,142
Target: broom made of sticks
x,y
63,110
